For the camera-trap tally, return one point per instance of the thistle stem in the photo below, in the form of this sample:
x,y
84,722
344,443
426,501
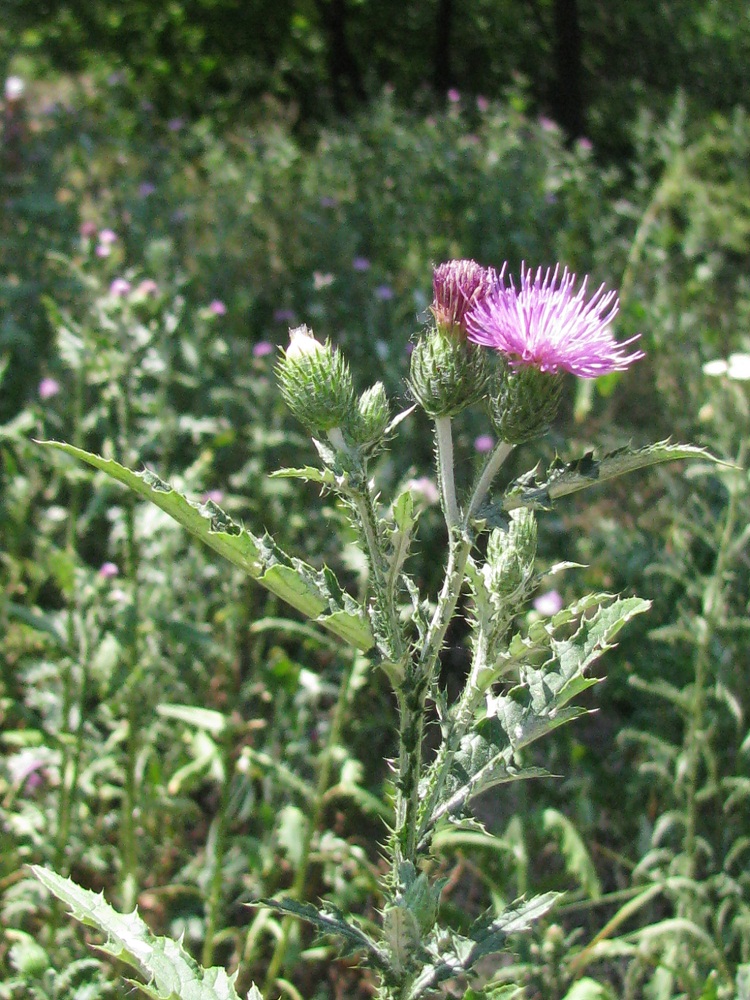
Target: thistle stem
x,y
491,469
444,440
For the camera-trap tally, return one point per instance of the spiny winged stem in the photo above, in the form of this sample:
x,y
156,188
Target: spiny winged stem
x,y
420,675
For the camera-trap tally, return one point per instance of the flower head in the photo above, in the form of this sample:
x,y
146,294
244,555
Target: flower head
x,y
48,388
457,286
217,308
547,325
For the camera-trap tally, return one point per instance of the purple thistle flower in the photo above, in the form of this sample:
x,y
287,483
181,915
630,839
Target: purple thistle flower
x,y
262,349
146,189
457,286
119,287
284,316
107,237
548,326
48,388
361,264
484,443
87,229
384,292
454,95
548,604
217,307
109,570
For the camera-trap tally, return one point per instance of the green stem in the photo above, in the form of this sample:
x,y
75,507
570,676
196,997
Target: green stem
x,y
491,469
444,441
297,891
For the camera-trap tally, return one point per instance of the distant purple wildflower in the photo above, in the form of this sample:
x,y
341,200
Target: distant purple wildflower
x,y
585,145
147,287
454,95
48,388
217,307
176,124
548,604
483,104
262,349
215,496
107,237
457,286
146,189
361,264
119,287
284,316
548,326
328,201
484,443
109,570
87,229
424,489
384,292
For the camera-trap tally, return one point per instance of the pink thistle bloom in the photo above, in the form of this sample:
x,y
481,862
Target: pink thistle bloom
x,y
87,229
484,443
483,104
457,286
147,287
546,325
262,349
361,264
454,95
284,316
119,287
217,307
48,388
384,292
215,496
109,570
548,604
107,237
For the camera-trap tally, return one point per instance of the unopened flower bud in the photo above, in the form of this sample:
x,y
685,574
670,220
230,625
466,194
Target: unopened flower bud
x,y
523,402
509,568
373,414
458,285
316,383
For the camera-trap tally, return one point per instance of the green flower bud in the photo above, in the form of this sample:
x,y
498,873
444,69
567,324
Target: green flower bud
x,y
447,373
316,383
509,569
373,414
523,402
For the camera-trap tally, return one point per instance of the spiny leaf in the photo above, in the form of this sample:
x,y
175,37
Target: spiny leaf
x,y
295,582
564,478
551,672
171,973
327,921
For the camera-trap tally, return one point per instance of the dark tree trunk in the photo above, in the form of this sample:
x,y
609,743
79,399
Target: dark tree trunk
x,y
343,70
567,100
442,76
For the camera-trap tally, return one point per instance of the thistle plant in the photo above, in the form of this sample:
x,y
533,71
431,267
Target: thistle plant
x,y
487,344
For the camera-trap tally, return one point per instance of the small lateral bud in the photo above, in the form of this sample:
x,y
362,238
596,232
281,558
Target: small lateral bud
x,y
509,569
373,414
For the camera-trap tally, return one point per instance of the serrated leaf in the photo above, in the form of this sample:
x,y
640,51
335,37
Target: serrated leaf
x,y
564,478
290,579
170,972
308,473
551,672
487,936
328,921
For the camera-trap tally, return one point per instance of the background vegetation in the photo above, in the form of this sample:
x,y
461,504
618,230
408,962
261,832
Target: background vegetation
x,y
179,186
